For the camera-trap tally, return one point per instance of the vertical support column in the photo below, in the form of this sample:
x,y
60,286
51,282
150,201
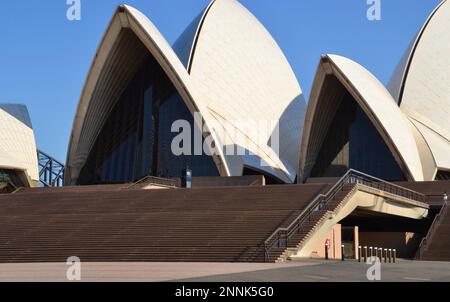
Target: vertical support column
x,y
365,254
356,242
359,253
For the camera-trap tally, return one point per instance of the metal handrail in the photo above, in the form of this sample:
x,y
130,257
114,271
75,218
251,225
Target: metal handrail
x,y
51,171
282,235
436,222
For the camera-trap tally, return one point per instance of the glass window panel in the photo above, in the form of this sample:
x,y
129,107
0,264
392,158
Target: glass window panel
x,y
352,142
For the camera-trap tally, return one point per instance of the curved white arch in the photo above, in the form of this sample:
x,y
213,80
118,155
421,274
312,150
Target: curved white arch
x,y
437,144
397,82
86,128
421,83
378,105
244,74
185,45
259,86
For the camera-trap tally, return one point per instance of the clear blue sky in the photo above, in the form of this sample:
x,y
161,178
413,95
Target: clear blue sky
x,y
44,58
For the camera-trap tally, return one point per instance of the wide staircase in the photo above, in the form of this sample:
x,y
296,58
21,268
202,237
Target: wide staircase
x,y
117,223
435,246
114,224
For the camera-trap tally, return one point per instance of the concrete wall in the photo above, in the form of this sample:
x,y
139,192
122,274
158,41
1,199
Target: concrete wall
x,y
334,238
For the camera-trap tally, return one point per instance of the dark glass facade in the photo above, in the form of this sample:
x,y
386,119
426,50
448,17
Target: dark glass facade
x,y
352,142
136,139
443,175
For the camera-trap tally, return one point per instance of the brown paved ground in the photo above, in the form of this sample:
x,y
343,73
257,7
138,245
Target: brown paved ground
x,y
128,272
295,271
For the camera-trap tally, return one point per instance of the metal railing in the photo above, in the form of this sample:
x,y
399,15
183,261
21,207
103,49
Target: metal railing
x,y
51,171
281,236
434,226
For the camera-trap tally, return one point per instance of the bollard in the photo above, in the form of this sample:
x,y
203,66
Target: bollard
x,y
380,250
371,252
365,254
342,251
375,249
395,256
359,253
390,255
326,251
385,255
